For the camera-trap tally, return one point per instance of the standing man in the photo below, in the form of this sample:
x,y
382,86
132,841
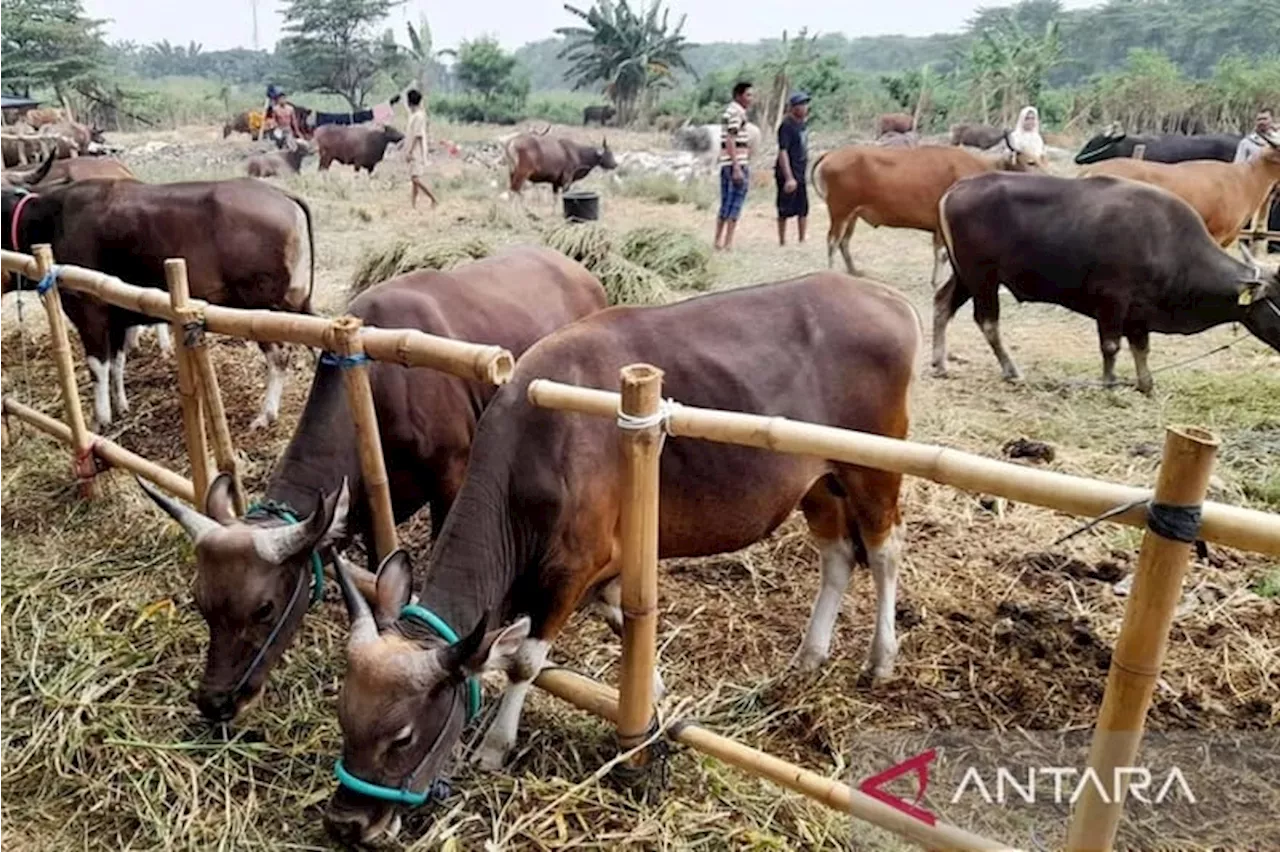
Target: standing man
x,y
735,157
1253,144
789,172
417,154
282,120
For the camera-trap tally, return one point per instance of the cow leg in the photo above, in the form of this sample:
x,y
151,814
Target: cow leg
x,y
501,736
873,505
163,340
824,512
844,245
117,379
607,603
277,357
1139,343
939,259
1109,331
986,312
131,337
98,368
946,301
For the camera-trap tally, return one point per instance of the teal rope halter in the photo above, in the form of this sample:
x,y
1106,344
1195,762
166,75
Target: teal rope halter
x,y
401,795
284,513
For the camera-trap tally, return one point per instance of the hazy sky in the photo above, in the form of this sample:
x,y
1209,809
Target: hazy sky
x,y
228,23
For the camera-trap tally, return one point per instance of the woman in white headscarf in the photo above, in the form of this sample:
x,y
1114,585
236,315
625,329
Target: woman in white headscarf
x,y
1025,137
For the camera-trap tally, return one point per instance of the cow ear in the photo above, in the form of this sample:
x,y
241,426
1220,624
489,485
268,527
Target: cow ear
x,y
395,584
489,651
219,502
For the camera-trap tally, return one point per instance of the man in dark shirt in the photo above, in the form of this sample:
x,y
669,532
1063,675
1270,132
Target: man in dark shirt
x,y
789,171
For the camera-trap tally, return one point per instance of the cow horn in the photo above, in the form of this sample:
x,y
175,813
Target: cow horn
x,y
278,545
363,629
195,524
1251,260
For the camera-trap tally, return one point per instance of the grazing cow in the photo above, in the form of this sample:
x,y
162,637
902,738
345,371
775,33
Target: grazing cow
x,y
537,158
426,419
976,135
54,172
1160,149
361,146
278,163
249,121
894,122
898,187
1224,194
247,245
533,534
599,114
1134,257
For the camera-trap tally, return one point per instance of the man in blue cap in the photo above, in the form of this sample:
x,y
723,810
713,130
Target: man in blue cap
x,y
789,171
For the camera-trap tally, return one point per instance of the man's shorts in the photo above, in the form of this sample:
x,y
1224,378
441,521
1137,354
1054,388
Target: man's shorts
x,y
733,195
792,203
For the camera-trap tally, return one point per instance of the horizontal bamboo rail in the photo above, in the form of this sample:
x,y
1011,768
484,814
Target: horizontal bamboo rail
x,y
1245,529
106,449
600,700
408,347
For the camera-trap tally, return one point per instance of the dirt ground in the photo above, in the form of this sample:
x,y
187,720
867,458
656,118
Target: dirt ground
x,y
1001,631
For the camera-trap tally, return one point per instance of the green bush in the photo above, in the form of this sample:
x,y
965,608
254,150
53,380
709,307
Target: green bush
x,y
503,109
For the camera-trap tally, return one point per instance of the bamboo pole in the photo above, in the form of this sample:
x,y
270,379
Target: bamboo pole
x,y
106,449
200,367
373,467
189,393
1144,635
600,700
82,461
1246,529
639,451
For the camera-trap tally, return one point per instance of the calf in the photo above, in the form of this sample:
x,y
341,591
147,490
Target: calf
x,y
278,163
1135,258
247,245
247,570
533,534
897,187
1161,149
599,114
536,158
895,122
361,145
1224,194
976,135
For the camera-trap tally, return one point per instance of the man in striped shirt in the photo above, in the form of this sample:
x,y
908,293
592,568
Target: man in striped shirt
x,y
735,156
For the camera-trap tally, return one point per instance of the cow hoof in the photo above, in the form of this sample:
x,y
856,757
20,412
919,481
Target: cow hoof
x,y
940,371
1013,377
260,422
1146,388
807,661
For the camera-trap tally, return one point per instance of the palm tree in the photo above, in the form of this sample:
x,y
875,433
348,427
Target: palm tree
x,y
631,54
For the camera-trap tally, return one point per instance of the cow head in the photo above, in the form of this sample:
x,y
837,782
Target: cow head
x,y
403,703
95,135
1013,160
1102,146
605,156
1260,299
391,135
251,586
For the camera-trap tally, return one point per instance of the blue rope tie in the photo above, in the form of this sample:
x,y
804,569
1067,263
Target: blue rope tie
x,y
284,513
50,278
333,359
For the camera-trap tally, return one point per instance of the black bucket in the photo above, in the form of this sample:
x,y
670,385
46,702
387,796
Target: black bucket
x,y
581,206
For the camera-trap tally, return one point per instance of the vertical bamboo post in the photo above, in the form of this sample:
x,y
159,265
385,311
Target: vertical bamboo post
x,y
1144,634
83,462
373,467
200,367
189,396
640,449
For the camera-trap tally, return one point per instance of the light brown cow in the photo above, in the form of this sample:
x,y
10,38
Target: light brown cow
x,y
897,187
533,534
1224,194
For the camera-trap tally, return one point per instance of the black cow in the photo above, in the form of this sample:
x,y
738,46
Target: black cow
x,y
601,115
1160,149
1134,257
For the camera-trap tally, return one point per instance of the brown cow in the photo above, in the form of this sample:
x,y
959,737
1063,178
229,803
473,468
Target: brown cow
x,y
976,135
247,121
895,122
538,158
426,420
358,145
278,163
897,187
1224,194
247,245
534,532
85,138
53,172
38,118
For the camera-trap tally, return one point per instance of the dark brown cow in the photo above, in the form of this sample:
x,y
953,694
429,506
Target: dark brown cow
x,y
358,145
247,245
976,135
249,568
538,158
278,163
1134,257
533,534
897,187
895,122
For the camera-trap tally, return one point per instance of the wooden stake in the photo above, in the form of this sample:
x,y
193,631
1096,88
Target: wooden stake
x,y
639,457
82,462
1144,634
189,393
348,343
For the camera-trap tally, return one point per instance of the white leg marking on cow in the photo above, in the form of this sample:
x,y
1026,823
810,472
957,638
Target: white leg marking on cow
x,y
1145,382
883,561
164,340
501,736
277,358
991,331
300,275
939,260
131,337
836,558
608,605
117,381
101,392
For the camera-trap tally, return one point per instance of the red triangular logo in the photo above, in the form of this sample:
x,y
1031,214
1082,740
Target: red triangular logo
x,y
919,766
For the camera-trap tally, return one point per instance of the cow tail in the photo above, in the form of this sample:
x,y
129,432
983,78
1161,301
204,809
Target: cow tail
x,y
311,242
815,177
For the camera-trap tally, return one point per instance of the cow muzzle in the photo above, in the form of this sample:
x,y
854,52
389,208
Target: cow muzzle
x,y
223,705
352,818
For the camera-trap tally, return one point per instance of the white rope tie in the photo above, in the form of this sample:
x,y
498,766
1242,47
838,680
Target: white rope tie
x,y
661,417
